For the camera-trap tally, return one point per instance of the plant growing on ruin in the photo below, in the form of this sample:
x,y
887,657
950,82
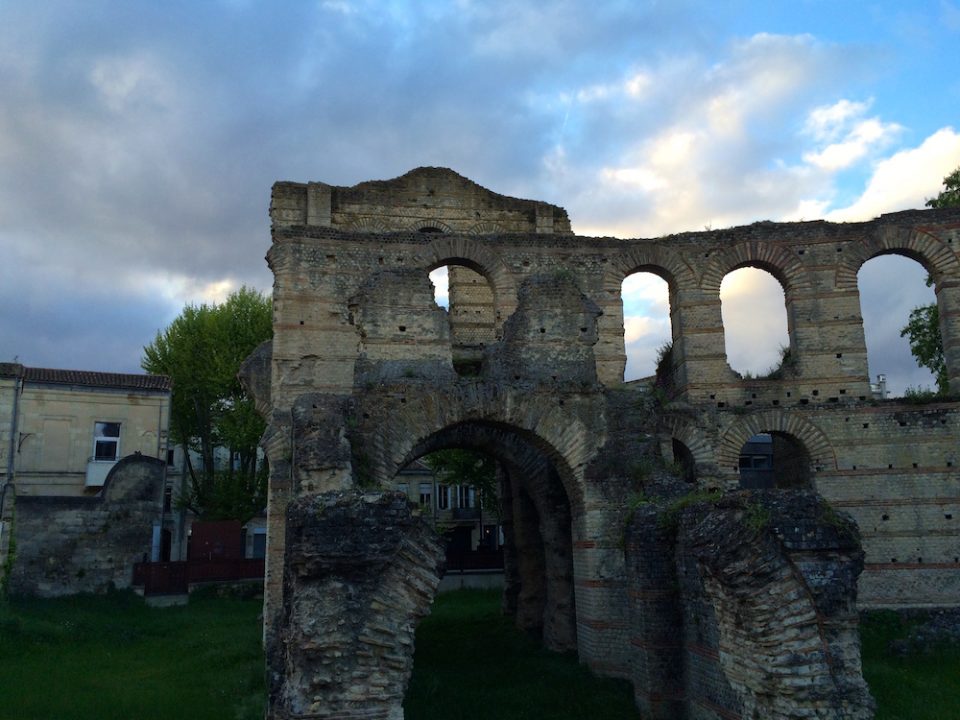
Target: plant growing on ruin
x,y
756,516
201,351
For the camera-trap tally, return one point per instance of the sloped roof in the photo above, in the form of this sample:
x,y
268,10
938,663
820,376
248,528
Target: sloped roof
x,y
93,378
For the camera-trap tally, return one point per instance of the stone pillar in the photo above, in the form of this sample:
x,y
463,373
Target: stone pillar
x,y
360,570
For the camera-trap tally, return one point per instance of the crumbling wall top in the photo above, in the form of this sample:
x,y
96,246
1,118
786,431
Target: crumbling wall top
x,y
427,199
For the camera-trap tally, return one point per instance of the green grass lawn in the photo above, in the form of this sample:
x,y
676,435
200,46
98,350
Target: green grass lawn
x,y
471,662
113,657
917,686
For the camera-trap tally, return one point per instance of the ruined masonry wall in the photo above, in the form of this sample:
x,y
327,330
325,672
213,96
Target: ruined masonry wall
x,y
356,328
68,545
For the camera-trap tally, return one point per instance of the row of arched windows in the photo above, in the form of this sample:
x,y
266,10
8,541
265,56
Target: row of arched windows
x,y
755,321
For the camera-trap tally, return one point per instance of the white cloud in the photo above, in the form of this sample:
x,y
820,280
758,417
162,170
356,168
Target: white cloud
x,y
441,286
864,137
906,179
827,122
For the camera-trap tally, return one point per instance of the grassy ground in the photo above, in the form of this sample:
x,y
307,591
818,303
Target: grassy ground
x,y
114,658
471,663
921,685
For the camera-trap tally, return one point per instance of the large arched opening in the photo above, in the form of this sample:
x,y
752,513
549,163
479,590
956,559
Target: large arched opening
x,y
892,286
755,322
774,459
469,298
647,324
524,512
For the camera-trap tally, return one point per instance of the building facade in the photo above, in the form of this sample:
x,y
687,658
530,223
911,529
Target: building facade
x,y
63,431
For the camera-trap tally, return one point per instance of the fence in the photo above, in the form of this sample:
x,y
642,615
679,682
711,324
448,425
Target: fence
x,y
172,578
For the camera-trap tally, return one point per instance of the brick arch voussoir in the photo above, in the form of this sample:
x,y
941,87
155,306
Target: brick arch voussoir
x,y
694,439
936,256
451,248
422,223
777,260
659,260
487,227
813,439
367,225
562,437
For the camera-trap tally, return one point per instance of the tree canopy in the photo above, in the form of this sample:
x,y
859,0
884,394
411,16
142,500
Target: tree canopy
x,y
467,467
201,351
923,327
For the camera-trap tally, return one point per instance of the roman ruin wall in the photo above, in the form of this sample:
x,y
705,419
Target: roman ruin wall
x,y
367,373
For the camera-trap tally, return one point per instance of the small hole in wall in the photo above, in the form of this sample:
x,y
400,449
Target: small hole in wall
x,y
516,377
846,419
816,392
403,328
553,377
366,416
776,402
542,330
331,257
788,393
526,263
713,397
914,466
833,399
866,425
854,467
949,463
748,402
804,401
943,422
583,329
801,251
948,516
893,560
839,355
843,391
890,466
840,249
863,397
301,322
721,404
380,261
753,395
919,560
561,402
903,424
884,517
403,401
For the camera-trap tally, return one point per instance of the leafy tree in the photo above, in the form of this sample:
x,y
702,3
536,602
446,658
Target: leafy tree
x,y
467,467
950,195
201,351
923,327
923,332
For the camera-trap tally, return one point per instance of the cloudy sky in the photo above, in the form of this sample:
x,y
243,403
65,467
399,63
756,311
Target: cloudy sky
x,y
139,141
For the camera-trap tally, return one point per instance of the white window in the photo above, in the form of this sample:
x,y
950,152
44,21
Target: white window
x,y
426,494
443,497
106,441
